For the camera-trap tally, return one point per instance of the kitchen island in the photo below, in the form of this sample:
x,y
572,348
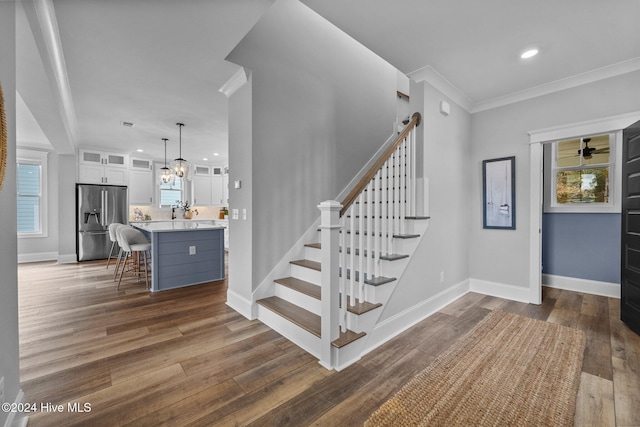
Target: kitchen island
x,y
184,253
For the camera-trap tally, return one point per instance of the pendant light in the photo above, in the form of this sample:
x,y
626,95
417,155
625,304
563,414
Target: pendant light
x,y
165,173
180,165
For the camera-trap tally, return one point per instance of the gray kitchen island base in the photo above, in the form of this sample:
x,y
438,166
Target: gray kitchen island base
x,y
184,253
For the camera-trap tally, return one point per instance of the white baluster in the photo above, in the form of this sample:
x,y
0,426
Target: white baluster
x,y
376,222
414,174
352,255
403,181
410,201
361,232
383,209
396,193
391,204
370,237
343,275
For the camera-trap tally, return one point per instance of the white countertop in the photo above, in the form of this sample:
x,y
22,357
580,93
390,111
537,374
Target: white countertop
x,y
175,225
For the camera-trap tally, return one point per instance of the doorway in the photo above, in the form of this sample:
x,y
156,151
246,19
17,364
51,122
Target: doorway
x,y
536,140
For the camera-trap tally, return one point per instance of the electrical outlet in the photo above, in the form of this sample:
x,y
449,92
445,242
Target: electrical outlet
x,y
192,250
2,390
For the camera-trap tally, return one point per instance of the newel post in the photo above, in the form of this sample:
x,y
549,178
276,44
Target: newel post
x,y
330,294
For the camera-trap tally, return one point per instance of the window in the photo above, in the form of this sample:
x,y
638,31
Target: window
x,y
580,174
31,172
170,192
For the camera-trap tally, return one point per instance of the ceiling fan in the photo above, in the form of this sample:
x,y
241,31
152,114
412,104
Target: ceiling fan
x,y
587,151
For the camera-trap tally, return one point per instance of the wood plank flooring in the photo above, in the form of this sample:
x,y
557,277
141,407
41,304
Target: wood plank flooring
x,y
183,358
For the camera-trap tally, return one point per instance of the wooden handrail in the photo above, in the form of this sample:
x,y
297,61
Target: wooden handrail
x,y
351,197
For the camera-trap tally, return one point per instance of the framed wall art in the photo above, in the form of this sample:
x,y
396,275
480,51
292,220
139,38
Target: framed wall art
x,y
499,193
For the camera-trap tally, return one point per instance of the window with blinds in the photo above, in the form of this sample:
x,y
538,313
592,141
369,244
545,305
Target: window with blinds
x,y
30,197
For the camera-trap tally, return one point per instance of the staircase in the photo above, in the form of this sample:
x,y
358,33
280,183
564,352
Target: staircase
x,y
328,301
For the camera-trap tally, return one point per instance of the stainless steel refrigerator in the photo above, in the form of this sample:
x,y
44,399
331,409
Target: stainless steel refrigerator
x,y
97,206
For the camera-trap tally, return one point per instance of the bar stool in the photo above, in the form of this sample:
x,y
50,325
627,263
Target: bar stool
x,y
133,243
112,236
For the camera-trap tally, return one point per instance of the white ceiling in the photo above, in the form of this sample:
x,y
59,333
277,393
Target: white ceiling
x,y
475,45
158,62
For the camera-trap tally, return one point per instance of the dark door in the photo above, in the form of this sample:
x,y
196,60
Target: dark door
x,y
630,271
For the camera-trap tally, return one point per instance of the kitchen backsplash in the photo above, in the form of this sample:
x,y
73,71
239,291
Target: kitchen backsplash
x,y
204,212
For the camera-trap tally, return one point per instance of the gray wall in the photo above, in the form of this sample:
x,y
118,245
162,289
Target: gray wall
x,y
499,255
9,364
322,105
66,201
582,245
446,164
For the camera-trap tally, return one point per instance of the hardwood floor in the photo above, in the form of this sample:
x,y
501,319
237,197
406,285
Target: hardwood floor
x,y
182,357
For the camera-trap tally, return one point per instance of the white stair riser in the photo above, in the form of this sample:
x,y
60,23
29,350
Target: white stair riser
x,y
363,322
380,294
348,354
308,303
312,254
303,339
306,274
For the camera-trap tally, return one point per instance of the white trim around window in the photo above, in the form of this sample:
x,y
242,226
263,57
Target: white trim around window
x,y
40,158
615,181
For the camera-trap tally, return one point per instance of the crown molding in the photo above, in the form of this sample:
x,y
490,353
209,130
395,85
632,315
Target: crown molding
x,y
234,83
437,80
613,70
431,76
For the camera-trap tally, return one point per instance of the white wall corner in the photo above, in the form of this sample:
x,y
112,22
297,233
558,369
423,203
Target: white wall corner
x,y
594,287
500,290
395,325
234,83
241,304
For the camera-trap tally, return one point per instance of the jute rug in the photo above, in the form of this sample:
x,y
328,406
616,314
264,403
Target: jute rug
x,y
508,370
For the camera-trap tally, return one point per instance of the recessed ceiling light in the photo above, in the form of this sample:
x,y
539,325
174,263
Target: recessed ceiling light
x,y
205,159
139,150
529,53
216,154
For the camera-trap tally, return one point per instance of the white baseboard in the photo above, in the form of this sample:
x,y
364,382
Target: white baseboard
x,y
67,258
17,419
501,290
240,304
389,328
38,257
606,289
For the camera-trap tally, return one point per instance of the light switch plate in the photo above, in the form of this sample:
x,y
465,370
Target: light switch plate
x,y
234,214
244,214
237,184
192,250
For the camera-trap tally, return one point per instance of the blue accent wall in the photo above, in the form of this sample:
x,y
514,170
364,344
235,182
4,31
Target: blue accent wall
x,y
582,245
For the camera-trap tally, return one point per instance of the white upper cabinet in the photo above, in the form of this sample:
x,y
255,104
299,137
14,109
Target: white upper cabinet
x,y
141,182
208,185
98,167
